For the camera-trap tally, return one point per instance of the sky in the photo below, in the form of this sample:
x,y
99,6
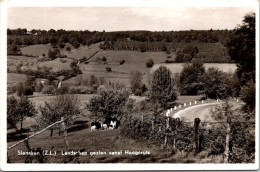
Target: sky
x,y
126,18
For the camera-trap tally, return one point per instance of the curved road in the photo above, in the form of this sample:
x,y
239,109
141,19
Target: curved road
x,y
201,111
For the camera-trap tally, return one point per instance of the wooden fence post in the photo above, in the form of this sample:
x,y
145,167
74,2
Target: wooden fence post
x,y
153,119
196,135
64,133
226,153
167,122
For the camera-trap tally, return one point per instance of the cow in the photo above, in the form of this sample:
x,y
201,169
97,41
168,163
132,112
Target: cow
x,y
105,126
112,123
95,126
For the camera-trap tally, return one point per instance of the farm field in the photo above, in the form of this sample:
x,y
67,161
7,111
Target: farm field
x,y
15,78
134,60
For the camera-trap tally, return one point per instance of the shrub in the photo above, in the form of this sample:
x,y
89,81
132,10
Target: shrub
x,y
167,52
61,45
62,90
169,61
53,54
68,49
150,63
63,61
108,69
49,90
122,62
104,59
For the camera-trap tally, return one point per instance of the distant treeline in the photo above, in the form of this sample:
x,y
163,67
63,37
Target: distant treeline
x,y
121,40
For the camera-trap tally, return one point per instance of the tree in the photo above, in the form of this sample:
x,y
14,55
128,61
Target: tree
x,y
18,110
108,69
149,63
136,82
68,49
12,112
190,77
67,106
248,96
241,48
109,102
53,54
24,89
162,88
216,84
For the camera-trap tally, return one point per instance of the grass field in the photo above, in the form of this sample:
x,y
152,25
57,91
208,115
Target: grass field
x,y
13,78
134,60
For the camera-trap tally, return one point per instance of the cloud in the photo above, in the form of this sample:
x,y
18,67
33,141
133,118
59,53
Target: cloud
x,y
126,18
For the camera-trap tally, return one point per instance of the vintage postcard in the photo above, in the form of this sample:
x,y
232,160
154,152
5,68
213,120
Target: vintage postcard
x,y
133,85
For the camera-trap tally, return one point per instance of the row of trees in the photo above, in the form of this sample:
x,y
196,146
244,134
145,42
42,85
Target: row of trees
x,y
112,40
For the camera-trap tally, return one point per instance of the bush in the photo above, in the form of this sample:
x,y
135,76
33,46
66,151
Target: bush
x,y
61,45
68,49
108,69
122,62
169,61
49,90
104,59
62,90
53,54
150,63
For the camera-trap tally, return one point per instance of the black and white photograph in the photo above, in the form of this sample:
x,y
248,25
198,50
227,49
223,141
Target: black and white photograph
x,y
130,85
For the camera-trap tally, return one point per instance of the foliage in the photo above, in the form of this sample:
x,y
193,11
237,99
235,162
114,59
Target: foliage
x,y
136,82
248,96
18,110
190,77
24,89
241,48
68,48
104,59
149,63
162,88
66,106
122,62
49,90
216,84
110,101
108,69
53,54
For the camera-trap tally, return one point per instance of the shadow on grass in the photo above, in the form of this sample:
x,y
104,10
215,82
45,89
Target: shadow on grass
x,y
75,128
12,137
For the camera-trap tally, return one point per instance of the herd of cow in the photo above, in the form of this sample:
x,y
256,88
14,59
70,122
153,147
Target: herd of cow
x,y
108,124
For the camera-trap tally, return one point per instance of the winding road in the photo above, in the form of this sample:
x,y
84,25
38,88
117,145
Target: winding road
x,y
201,111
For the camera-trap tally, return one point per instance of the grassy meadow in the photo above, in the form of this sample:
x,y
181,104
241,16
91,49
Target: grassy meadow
x,y
79,135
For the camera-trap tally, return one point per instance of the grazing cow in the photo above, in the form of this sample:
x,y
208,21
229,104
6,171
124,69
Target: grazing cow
x,y
105,126
95,126
112,123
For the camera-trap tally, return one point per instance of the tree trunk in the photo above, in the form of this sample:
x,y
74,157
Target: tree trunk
x,y
21,122
51,132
